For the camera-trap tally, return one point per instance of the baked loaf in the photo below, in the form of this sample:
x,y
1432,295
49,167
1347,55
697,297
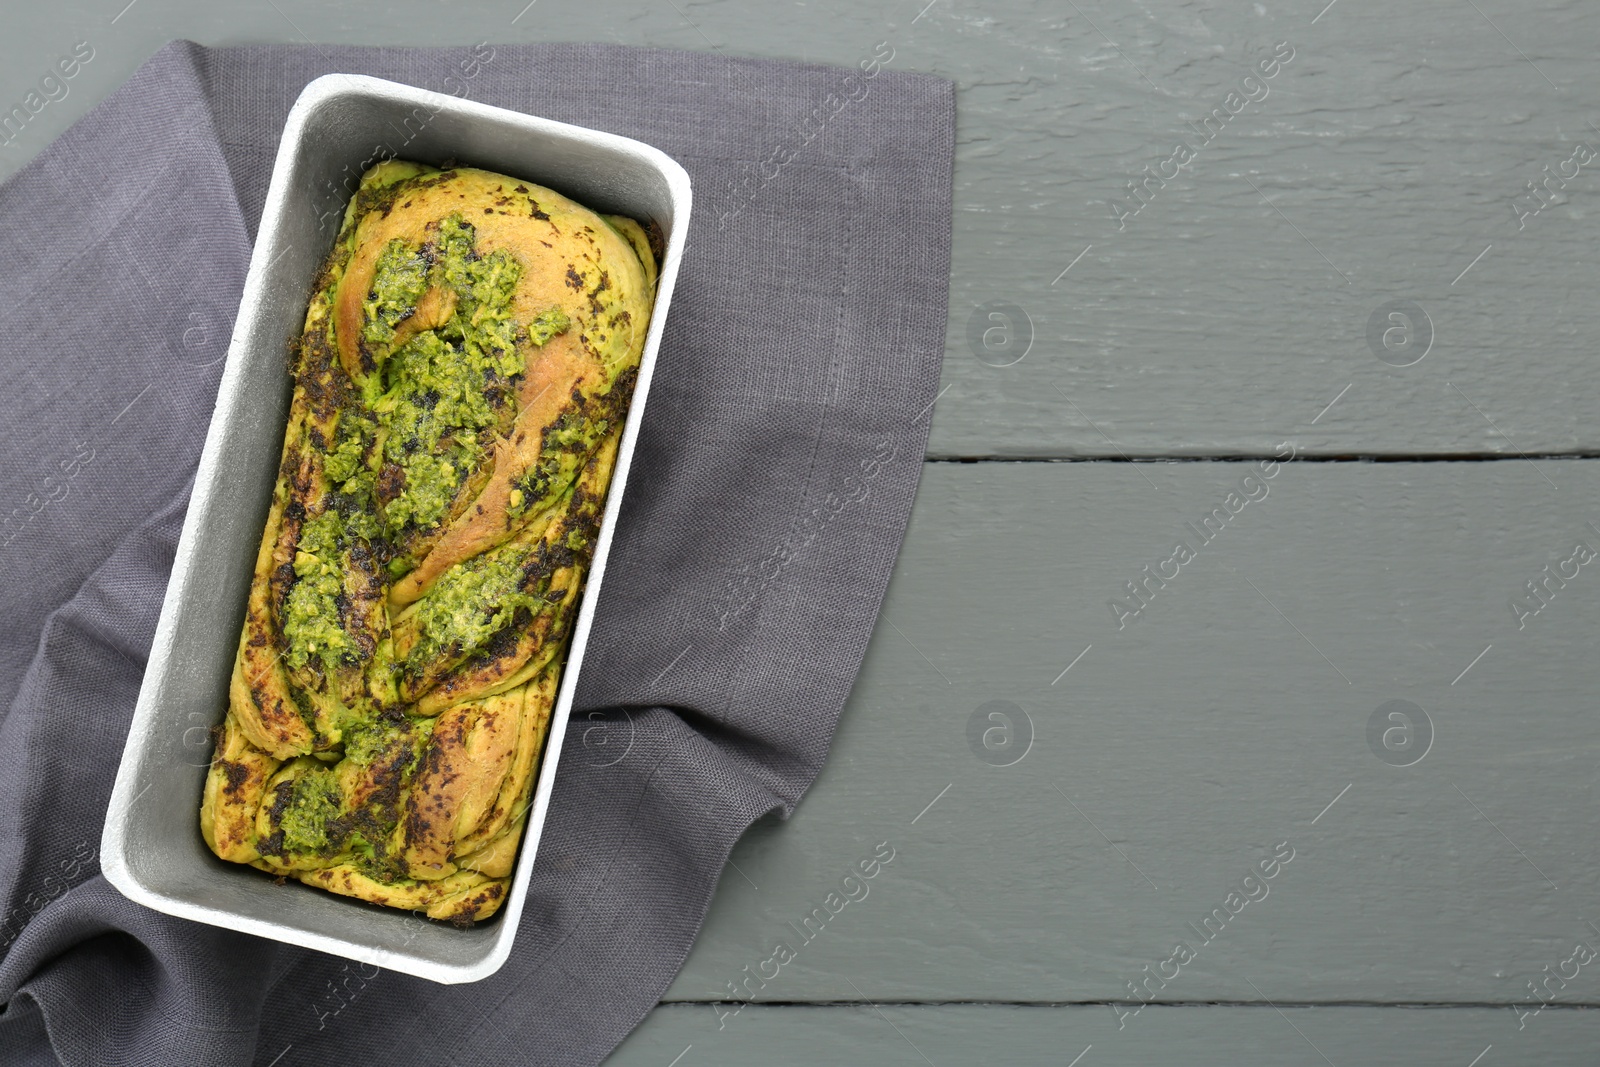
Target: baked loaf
x,y
467,362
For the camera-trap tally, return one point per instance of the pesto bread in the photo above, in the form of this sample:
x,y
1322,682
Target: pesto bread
x,y
467,362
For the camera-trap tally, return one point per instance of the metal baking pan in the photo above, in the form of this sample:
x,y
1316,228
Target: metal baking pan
x,y
151,849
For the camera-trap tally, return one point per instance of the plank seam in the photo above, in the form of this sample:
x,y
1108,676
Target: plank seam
x,y
1408,1005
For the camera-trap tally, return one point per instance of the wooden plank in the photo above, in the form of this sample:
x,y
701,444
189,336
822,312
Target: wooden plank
x,y
1234,307
1386,157
1173,756
1086,1036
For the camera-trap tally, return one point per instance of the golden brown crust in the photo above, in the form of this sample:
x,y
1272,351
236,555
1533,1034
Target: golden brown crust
x,y
459,776
235,784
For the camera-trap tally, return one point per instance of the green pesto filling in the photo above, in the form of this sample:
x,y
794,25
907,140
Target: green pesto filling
x,y
440,384
314,804
373,860
362,855
368,739
354,502
399,279
546,325
431,484
565,448
345,459
311,617
470,603
446,386
365,743
443,393
354,483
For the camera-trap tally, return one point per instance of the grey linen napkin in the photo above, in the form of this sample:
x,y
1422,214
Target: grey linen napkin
x,y
768,499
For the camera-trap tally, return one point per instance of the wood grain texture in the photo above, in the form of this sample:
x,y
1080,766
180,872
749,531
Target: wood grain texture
x,y
1179,750
1222,320
1223,317
1219,1036
1386,156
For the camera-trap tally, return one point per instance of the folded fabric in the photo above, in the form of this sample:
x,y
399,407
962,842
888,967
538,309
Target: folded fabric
x,y
769,495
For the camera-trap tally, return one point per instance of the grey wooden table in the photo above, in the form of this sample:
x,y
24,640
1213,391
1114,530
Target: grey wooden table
x,y
1321,785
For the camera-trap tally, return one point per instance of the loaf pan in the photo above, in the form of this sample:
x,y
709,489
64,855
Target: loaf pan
x,y
151,849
